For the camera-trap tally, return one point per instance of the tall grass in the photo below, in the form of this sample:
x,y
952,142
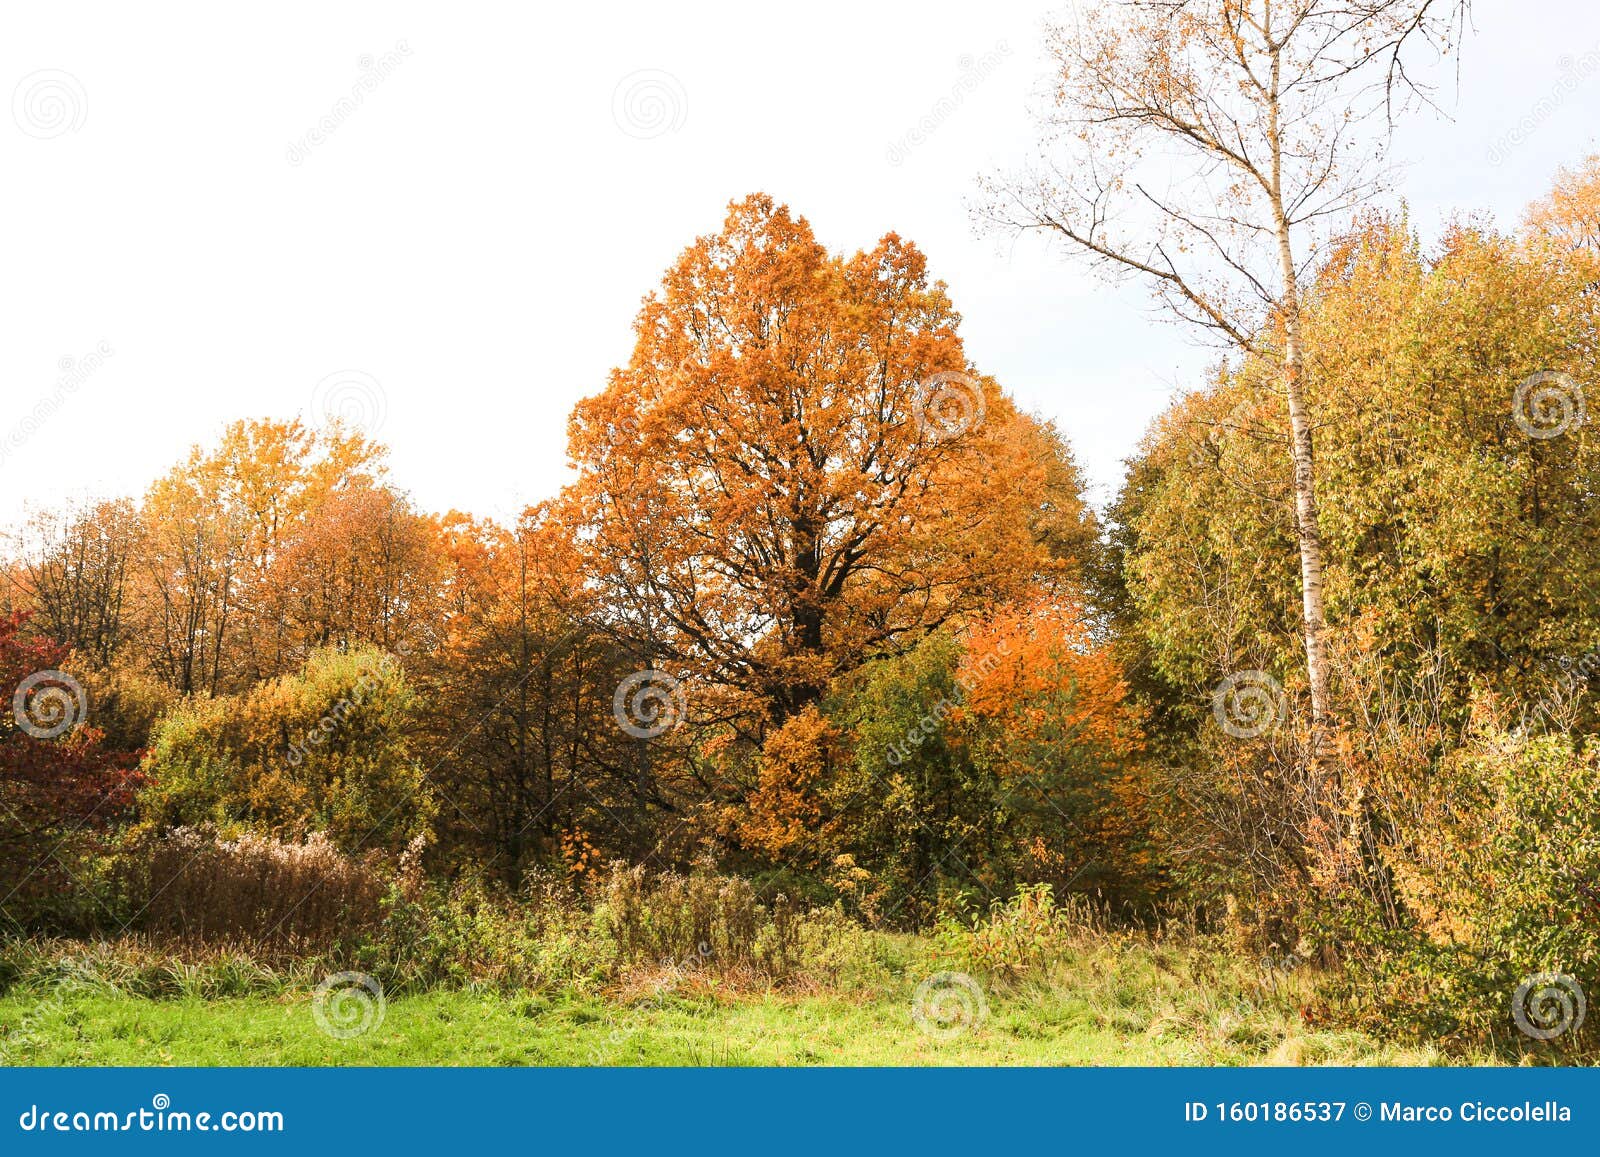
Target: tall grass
x,y
197,889
258,917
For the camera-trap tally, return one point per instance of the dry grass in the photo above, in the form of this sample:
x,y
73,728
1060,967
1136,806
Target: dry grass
x,y
273,896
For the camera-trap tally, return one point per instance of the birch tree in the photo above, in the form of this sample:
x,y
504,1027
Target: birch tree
x,y
1210,148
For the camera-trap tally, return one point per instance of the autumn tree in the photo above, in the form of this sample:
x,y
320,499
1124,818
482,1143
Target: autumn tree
x,y
188,580
1204,147
216,529
799,469
61,789
1001,752
361,566
274,479
1047,707
1460,478
75,568
519,711
1570,213
1458,523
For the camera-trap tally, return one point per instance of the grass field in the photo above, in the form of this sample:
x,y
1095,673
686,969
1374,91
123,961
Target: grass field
x,y
1114,1004
485,1029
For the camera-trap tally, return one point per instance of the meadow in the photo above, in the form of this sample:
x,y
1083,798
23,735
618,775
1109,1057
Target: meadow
x,y
1107,1003
695,970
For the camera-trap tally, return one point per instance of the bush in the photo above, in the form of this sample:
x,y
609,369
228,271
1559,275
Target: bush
x,y
323,751
127,703
1027,933
1500,878
467,934
62,788
700,917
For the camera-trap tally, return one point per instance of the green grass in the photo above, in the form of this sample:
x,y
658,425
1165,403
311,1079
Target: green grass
x,y
1043,1025
1094,997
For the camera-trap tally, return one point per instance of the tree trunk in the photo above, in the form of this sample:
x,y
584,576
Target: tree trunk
x,y
1300,450
1310,536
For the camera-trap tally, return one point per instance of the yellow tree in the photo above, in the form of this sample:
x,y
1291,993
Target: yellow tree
x,y
1203,146
1459,523
215,528
361,566
277,477
188,577
1570,214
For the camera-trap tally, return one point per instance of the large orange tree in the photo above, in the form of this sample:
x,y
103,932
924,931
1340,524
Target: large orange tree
x,y
799,469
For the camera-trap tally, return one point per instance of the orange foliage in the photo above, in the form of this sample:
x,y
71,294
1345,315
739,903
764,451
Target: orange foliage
x,y
784,813
1570,214
1036,666
798,467
1063,732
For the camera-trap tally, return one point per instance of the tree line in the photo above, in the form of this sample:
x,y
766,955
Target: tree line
x,y
825,608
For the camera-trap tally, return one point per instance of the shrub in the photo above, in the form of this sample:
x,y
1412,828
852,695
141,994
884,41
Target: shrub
x,y
632,926
712,919
326,750
62,789
1020,935
127,703
466,933
912,808
1500,878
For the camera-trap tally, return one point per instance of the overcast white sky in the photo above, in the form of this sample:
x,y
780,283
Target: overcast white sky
x,y
473,239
